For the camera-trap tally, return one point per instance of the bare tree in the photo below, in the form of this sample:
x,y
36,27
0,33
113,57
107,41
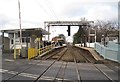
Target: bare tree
x,y
105,29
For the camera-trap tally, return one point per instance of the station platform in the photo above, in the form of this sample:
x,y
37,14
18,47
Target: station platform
x,y
93,52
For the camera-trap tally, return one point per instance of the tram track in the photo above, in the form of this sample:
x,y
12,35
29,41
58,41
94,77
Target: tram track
x,y
77,69
37,79
31,61
45,57
22,71
88,61
109,78
61,73
61,55
58,72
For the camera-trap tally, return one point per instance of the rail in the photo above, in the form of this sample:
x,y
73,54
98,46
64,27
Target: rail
x,y
31,66
49,67
109,78
77,68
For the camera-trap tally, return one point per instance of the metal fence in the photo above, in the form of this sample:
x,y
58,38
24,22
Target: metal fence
x,y
111,51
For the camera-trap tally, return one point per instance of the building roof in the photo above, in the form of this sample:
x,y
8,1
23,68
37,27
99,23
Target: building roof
x,y
28,30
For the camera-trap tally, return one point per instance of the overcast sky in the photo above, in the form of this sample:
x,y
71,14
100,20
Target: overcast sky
x,y
35,12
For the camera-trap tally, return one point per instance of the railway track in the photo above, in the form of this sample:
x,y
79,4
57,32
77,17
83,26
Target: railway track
x,y
77,69
51,54
100,70
62,55
61,72
37,79
88,61
22,71
29,65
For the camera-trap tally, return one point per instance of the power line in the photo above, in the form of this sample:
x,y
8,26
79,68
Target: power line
x,y
51,9
42,7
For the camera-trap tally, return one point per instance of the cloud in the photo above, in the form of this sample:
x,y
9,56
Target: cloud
x,y
35,12
102,12
92,11
3,20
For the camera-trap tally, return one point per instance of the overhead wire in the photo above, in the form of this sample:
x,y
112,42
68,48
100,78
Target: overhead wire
x,y
42,7
49,4
54,16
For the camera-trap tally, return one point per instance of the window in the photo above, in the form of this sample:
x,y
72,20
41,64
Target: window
x,y
12,41
23,40
28,40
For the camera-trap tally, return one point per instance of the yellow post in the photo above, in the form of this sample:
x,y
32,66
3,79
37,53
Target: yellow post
x,y
39,51
28,53
14,53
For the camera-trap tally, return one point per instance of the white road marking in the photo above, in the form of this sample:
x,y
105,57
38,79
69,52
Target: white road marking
x,y
9,60
21,74
2,70
28,75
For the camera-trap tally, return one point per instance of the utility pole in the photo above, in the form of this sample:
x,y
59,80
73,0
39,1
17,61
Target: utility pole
x,y
2,42
20,24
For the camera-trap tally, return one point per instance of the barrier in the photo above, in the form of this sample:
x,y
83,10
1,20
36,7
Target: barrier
x,y
16,53
111,53
46,48
32,52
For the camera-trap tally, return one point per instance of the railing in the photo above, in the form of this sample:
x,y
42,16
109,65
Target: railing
x,y
111,53
46,48
32,52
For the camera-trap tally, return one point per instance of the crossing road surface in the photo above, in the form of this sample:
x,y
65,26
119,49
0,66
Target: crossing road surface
x,y
65,65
